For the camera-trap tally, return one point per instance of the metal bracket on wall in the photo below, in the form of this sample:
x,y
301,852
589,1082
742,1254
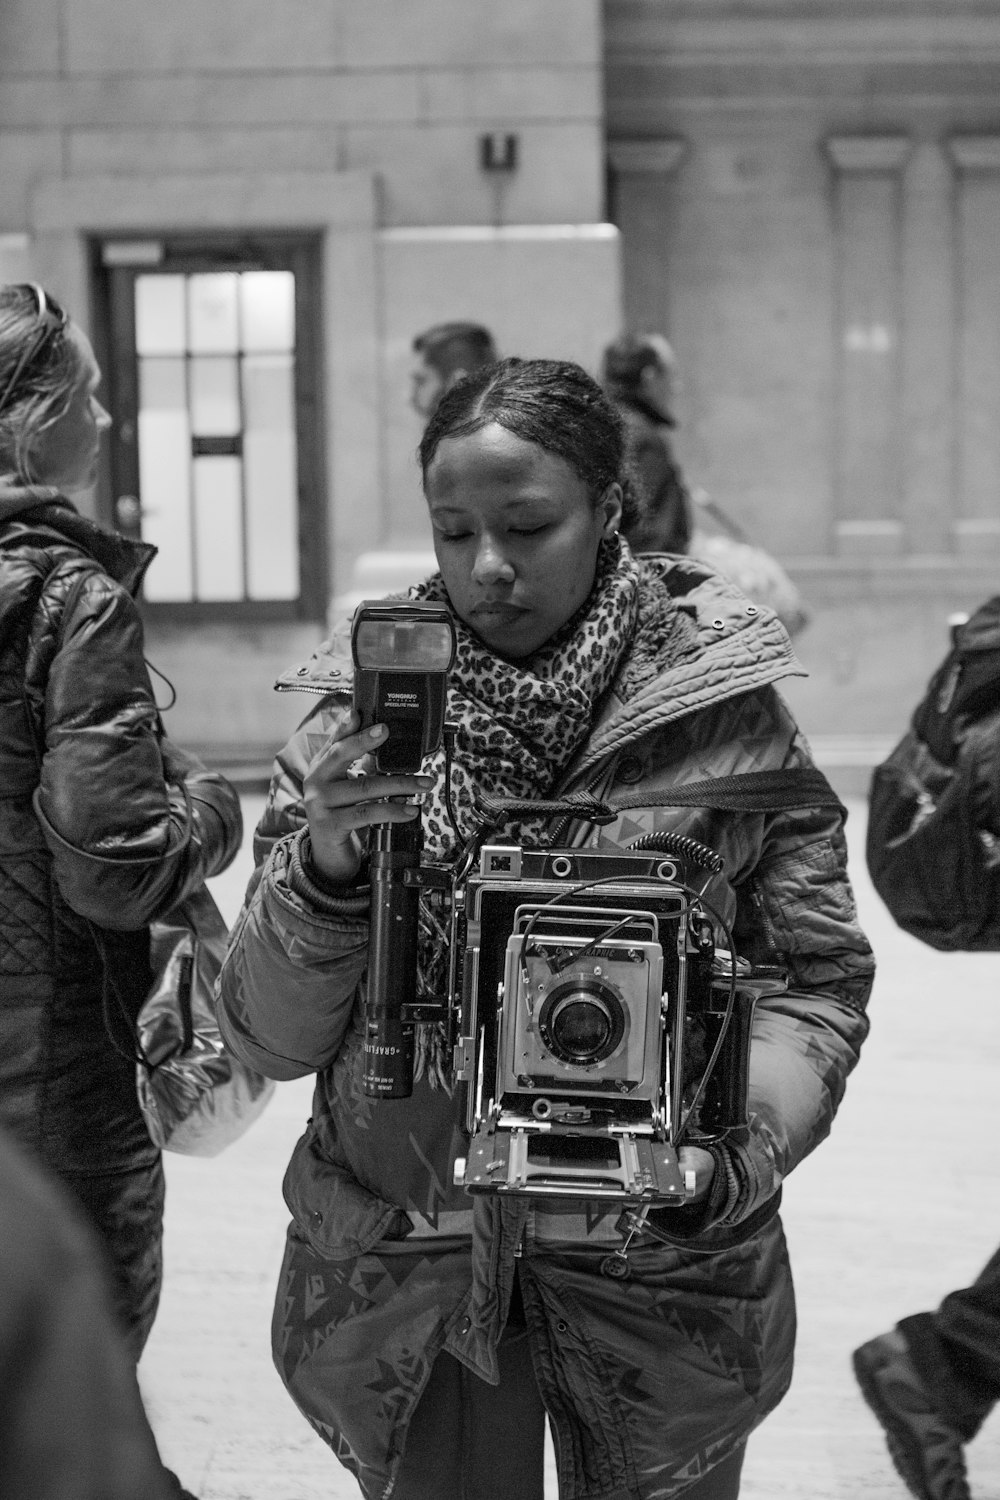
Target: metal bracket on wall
x,y
498,152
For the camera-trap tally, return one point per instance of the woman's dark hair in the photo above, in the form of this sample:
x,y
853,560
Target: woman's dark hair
x,y
39,370
550,402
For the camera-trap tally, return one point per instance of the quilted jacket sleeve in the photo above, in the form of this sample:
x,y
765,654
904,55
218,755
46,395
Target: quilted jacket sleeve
x,y
798,904
126,844
790,901
298,950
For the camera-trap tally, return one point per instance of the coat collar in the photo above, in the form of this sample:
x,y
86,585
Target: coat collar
x,y
738,646
45,512
330,669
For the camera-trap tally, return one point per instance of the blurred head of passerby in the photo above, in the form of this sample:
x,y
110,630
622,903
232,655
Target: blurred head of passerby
x,y
642,367
442,355
640,377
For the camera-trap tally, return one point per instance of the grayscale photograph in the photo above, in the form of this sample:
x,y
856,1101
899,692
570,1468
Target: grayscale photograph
x,y
499,750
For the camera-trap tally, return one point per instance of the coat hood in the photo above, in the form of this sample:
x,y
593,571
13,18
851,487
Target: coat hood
x,y
45,514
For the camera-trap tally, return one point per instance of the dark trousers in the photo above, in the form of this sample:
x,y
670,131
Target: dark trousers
x,y
126,1209
957,1350
472,1441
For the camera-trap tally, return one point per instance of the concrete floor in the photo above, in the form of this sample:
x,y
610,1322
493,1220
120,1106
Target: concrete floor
x,y
899,1206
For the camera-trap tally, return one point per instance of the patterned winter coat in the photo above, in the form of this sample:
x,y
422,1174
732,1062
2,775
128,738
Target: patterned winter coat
x,y
90,833
651,1381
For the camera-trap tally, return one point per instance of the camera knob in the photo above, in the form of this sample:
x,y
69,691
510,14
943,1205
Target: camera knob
x,y
458,1171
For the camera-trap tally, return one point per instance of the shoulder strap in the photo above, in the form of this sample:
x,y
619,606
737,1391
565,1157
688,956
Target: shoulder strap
x,y
753,791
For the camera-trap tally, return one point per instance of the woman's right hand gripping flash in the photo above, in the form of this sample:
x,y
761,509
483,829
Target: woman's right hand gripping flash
x,y
339,805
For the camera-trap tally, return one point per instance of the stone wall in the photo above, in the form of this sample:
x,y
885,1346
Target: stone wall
x,y
361,122
809,198
401,89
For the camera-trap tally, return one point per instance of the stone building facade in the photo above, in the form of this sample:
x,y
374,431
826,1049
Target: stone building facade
x,y
804,194
808,194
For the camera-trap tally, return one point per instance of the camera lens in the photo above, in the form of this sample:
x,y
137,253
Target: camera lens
x,y
581,1027
582,1021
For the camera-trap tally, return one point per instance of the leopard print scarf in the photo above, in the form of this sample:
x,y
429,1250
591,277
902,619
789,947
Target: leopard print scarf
x,y
520,723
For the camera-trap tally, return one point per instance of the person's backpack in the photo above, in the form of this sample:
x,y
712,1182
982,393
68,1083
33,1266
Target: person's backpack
x,y
933,845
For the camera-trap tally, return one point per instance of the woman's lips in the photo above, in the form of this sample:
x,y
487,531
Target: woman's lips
x,y
497,613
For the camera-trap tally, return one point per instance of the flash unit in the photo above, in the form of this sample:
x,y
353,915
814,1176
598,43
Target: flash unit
x,y
402,654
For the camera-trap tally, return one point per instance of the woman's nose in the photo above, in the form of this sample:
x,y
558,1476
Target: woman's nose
x,y
102,417
490,565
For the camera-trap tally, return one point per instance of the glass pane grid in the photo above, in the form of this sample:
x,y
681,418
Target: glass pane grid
x,y
217,435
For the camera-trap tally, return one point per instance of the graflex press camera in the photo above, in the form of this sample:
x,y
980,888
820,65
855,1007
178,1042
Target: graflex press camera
x,y
588,1012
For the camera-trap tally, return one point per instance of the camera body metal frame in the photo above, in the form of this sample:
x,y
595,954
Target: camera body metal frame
x,y
573,1007
654,1048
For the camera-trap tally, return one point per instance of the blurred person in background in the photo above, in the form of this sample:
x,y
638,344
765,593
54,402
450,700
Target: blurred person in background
x,y
426,1332
105,825
640,376
934,1378
932,1381
72,1423
442,355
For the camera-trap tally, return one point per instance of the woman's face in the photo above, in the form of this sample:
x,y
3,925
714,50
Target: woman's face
x,y
516,536
65,454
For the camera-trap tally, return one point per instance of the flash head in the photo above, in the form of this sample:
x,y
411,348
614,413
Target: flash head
x,y
410,644
402,651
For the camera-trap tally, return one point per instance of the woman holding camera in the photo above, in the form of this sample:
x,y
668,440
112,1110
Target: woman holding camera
x,y
425,1333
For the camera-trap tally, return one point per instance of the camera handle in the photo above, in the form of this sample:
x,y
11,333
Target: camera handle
x,y
494,812
392,961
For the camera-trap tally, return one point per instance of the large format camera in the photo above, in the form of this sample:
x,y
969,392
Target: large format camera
x,y
587,1010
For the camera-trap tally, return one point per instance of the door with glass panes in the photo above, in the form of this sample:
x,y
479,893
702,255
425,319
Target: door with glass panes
x,y
213,382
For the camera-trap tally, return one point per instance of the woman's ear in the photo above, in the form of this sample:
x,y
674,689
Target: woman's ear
x,y
610,508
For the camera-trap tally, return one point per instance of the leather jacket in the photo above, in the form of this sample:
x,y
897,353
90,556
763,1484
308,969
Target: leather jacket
x,y
104,824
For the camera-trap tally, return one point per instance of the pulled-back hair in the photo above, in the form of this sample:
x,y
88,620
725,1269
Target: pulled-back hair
x,y
43,387
550,402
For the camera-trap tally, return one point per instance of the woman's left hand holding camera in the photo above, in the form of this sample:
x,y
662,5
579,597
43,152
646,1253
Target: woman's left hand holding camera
x,y
338,805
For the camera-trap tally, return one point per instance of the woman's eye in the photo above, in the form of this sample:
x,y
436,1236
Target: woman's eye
x,y
528,530
454,536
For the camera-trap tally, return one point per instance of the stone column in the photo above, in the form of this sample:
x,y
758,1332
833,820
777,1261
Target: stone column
x,y
976,526
867,191
929,352
642,172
